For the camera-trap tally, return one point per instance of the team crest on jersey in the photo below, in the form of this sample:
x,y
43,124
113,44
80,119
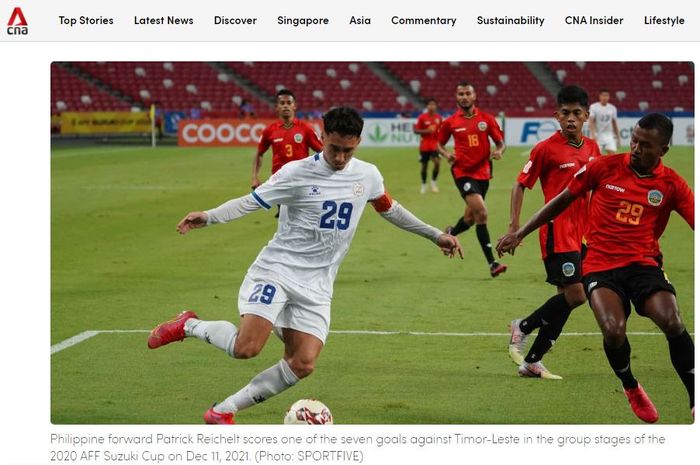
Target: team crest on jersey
x,y
655,198
358,189
568,269
298,138
314,190
482,126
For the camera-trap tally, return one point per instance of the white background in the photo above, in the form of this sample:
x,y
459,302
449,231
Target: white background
x,y
25,236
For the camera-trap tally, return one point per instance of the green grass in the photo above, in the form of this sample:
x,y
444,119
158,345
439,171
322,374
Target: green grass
x,y
117,263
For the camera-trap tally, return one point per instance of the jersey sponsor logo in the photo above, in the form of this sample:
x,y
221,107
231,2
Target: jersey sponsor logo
x,y
358,189
567,165
615,188
568,269
528,165
314,190
460,129
279,139
482,126
298,138
655,198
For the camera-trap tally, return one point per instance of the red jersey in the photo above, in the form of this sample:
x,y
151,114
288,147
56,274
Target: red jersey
x,y
288,143
472,146
628,213
554,161
429,141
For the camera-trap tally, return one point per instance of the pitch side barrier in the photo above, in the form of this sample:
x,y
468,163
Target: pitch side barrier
x,y
398,132
525,131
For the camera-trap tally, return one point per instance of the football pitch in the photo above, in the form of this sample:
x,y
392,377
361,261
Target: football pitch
x,y
415,338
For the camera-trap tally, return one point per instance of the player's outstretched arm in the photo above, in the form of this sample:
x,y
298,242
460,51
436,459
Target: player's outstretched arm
x,y
450,245
509,242
192,220
224,213
396,214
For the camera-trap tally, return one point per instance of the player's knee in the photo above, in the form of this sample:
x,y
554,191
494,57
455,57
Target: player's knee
x,y
614,333
575,297
302,368
672,325
246,349
481,216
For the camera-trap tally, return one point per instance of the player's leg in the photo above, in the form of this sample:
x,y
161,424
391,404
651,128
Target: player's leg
x,y
662,308
611,315
466,220
301,351
305,321
563,271
423,172
477,205
610,144
252,336
436,170
244,342
550,318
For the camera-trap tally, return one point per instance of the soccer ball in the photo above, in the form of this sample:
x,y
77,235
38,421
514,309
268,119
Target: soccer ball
x,y
308,412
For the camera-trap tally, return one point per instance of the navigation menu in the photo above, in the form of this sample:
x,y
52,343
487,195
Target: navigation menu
x,y
127,20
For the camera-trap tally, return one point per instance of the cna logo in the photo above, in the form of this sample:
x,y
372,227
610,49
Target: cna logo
x,y
17,25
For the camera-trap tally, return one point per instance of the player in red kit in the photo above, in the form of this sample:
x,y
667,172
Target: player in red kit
x,y
632,197
427,127
554,162
289,138
471,129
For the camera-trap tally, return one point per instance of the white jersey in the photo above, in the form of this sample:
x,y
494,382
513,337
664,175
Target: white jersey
x,y
320,210
603,116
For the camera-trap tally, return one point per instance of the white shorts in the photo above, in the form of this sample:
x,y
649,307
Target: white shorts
x,y
285,305
607,142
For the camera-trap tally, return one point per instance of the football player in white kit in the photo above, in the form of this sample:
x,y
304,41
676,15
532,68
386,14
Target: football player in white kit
x,y
289,287
602,123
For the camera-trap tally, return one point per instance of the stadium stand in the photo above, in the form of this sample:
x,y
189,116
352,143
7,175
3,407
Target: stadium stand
x,y
633,86
212,89
317,86
508,87
174,86
71,93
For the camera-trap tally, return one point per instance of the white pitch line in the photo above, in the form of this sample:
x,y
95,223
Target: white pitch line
x,y
78,338
71,341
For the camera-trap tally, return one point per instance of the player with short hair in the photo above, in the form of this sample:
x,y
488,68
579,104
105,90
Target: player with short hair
x,y
632,197
603,123
289,287
290,138
427,127
554,161
471,129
